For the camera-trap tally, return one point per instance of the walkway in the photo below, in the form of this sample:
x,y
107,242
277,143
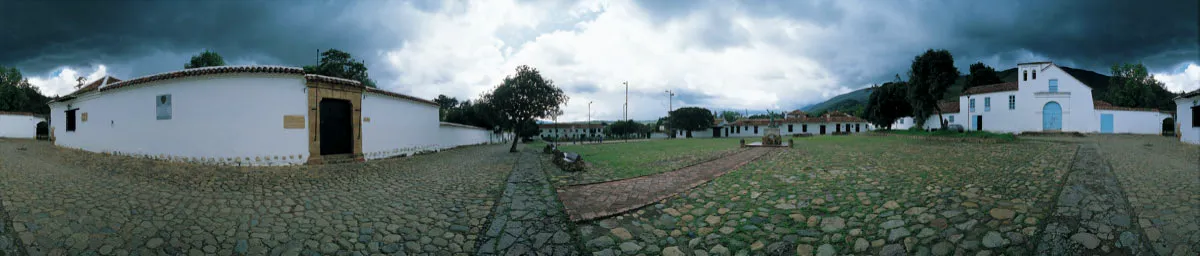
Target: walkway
x,y
590,201
528,220
1092,216
9,244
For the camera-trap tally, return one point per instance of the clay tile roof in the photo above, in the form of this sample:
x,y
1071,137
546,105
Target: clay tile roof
x,y
1001,87
796,113
203,71
461,125
332,80
383,92
1189,94
18,113
948,106
1100,104
94,85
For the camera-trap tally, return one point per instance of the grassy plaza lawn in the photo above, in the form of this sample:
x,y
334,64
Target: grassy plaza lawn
x,y
844,195
613,161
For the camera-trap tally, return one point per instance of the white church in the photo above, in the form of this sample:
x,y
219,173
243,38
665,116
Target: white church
x,y
1044,99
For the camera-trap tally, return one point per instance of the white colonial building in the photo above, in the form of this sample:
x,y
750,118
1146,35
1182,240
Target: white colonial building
x,y
1044,99
250,115
19,125
794,123
1187,125
570,130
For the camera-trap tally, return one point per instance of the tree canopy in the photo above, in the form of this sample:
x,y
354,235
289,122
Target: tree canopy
x,y
690,118
17,95
887,103
981,74
627,127
931,74
1131,85
340,64
205,59
731,116
444,105
526,96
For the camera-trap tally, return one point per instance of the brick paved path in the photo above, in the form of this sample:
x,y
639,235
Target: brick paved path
x,y
585,202
1092,215
529,219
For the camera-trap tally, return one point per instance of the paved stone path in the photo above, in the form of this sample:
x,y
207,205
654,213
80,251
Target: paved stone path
x,y
9,244
529,219
585,202
1161,179
1092,215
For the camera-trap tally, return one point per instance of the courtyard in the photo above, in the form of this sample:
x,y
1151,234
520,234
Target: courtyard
x,y
830,195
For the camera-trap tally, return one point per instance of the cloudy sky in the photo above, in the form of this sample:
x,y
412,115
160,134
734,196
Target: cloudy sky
x,y
747,54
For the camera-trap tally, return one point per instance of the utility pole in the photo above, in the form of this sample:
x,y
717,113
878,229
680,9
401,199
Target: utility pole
x,y
670,107
626,100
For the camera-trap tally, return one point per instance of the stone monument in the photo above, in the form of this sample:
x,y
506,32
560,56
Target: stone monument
x,y
771,136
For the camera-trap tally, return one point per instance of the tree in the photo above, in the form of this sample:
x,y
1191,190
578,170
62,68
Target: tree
x,y
766,116
931,74
1131,85
340,64
626,127
731,116
18,95
526,96
887,103
690,119
205,59
981,74
444,105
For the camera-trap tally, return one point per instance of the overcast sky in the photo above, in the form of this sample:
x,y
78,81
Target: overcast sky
x,y
746,54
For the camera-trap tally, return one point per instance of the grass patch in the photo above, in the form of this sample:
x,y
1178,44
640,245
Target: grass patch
x,y
632,159
954,134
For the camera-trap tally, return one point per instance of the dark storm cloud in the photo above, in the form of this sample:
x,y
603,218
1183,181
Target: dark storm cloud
x,y
39,36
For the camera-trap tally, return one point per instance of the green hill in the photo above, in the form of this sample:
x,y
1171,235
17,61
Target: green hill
x,y
857,99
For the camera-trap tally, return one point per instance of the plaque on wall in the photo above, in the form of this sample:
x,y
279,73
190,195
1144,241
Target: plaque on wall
x,y
83,117
366,119
293,122
163,106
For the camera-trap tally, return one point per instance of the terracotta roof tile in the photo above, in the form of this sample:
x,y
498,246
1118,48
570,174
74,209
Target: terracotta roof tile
x,y
203,71
1103,105
834,117
462,125
948,106
1001,87
94,85
332,80
392,94
1189,94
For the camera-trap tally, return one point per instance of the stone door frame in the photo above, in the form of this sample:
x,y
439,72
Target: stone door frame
x,y
316,91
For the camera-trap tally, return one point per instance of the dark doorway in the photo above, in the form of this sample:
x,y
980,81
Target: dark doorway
x,y
1168,127
71,120
726,131
689,134
978,123
857,127
43,131
755,129
838,127
822,129
337,135
716,132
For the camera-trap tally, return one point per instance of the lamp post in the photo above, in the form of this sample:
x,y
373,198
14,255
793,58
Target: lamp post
x,y
670,107
589,122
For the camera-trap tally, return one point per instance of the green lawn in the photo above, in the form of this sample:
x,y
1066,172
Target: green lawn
x,y
632,159
968,134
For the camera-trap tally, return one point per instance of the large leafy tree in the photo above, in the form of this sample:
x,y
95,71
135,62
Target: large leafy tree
x,y
931,74
337,63
690,119
981,74
627,127
18,95
445,104
1131,85
730,115
526,96
887,103
205,59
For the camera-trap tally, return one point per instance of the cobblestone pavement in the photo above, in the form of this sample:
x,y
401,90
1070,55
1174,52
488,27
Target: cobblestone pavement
x,y
68,202
529,219
9,245
585,202
854,195
1161,179
1092,216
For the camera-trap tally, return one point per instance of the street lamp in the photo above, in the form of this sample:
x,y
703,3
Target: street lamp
x,y
589,122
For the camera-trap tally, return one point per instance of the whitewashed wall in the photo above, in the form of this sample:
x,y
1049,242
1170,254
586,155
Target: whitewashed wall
x,y
1075,98
228,119
999,118
18,126
1135,122
398,126
452,135
1183,120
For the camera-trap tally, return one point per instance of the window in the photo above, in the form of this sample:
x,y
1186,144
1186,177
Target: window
x,y
987,104
804,127
1053,85
901,120
950,119
1012,102
755,129
71,120
789,128
1025,75
1035,75
1195,117
972,105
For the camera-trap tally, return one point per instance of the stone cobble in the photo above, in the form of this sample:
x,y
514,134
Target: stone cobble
x,y
9,244
528,219
69,202
1161,179
1092,216
854,195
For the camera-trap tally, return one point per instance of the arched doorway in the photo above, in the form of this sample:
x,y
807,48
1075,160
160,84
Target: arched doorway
x,y
43,130
1052,117
1168,127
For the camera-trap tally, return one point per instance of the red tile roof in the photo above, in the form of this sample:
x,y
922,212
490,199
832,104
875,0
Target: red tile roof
x,y
397,95
1001,87
831,117
796,113
462,125
1103,105
18,113
203,71
948,106
1189,94
94,85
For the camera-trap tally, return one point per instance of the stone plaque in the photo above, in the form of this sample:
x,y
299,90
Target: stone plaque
x,y
293,122
162,105
366,119
83,117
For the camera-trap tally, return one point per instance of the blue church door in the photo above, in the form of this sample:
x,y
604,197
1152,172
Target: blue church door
x,y
1052,117
1106,123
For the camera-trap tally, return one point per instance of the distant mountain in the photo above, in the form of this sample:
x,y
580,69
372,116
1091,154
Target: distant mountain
x,y
858,99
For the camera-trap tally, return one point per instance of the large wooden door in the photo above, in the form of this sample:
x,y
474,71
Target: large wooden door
x,y
337,133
